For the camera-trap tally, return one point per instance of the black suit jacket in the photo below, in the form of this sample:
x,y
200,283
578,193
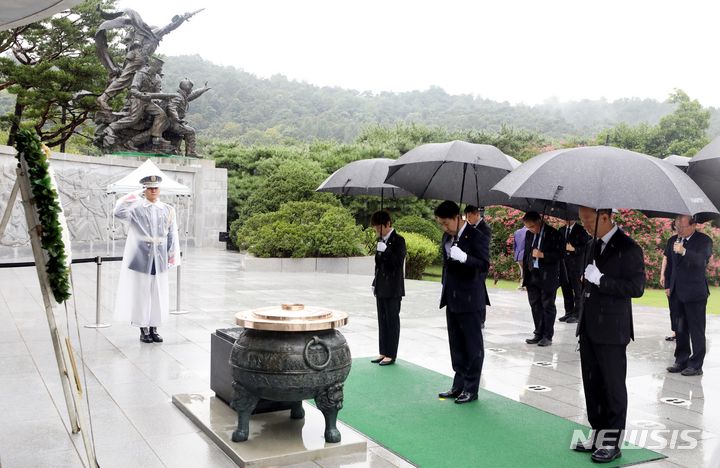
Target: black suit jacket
x,y
389,278
685,274
573,261
464,283
484,230
552,246
606,316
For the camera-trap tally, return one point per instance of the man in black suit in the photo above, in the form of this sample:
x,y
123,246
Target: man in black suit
x,y
466,259
541,275
575,237
474,217
615,274
688,253
388,285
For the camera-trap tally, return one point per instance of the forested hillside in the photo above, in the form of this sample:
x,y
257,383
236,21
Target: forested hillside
x,y
254,110
268,111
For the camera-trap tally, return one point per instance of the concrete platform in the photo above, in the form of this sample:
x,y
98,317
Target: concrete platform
x,y
275,439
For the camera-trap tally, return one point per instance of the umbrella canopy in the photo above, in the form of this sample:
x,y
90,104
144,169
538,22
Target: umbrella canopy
x,y
681,162
607,177
131,182
456,170
704,169
363,177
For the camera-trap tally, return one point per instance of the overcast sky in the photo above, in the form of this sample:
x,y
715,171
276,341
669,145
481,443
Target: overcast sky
x,y
507,50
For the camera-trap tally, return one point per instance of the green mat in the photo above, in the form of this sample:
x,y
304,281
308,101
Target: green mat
x,y
397,406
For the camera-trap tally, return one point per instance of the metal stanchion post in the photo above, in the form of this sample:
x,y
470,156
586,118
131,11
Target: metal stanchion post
x,y
98,297
178,289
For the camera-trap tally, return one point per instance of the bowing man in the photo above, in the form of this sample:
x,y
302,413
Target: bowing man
x,y
614,274
541,275
466,260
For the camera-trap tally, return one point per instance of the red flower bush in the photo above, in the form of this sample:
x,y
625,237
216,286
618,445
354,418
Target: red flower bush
x,y
651,234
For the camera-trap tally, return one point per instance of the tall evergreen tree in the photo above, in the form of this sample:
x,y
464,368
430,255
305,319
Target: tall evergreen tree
x,y
52,69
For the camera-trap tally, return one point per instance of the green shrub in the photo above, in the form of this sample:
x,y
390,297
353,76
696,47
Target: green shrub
x,y
419,225
421,252
301,229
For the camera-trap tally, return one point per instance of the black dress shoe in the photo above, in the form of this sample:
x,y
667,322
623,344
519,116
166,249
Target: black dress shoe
x,y
452,393
689,371
564,317
154,335
675,368
606,454
534,340
387,363
145,335
375,361
585,446
545,342
572,319
466,397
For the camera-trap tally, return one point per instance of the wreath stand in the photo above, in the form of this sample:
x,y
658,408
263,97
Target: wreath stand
x,y
64,354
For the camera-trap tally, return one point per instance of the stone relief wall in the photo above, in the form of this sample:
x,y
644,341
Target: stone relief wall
x,y
82,181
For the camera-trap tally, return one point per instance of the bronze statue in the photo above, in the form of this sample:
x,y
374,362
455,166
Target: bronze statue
x,y
150,120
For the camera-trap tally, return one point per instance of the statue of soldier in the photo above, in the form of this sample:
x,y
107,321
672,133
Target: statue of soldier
x,y
146,81
142,41
177,107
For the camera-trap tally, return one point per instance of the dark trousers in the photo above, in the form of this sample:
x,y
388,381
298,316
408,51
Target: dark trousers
x,y
571,290
690,331
673,317
388,310
542,304
467,350
604,368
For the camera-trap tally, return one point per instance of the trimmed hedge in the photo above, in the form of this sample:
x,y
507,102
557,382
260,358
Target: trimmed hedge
x,y
419,225
301,229
421,252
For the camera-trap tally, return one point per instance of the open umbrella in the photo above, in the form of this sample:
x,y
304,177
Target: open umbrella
x,y
363,177
607,177
681,162
456,170
704,169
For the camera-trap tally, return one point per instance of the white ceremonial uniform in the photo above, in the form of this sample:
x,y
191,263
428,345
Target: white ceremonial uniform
x,y
151,248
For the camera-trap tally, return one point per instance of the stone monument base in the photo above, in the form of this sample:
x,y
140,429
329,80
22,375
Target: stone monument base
x,y
275,439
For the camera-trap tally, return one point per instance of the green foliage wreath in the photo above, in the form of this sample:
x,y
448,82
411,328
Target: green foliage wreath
x,y
48,208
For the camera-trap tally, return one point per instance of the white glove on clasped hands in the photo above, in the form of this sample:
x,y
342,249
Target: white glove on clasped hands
x,y
592,274
381,246
456,253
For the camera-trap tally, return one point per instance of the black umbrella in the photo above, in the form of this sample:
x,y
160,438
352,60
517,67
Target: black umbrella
x,y
704,169
363,177
456,170
681,162
607,177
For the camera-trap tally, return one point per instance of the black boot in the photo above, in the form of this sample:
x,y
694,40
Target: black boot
x,y
145,336
154,336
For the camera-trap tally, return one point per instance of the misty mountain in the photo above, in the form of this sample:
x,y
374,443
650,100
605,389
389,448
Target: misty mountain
x,y
251,109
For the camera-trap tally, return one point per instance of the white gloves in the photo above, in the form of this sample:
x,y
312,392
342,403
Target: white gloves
x,y
592,274
381,246
457,254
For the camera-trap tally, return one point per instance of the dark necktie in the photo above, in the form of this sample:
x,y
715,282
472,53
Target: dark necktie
x,y
598,248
